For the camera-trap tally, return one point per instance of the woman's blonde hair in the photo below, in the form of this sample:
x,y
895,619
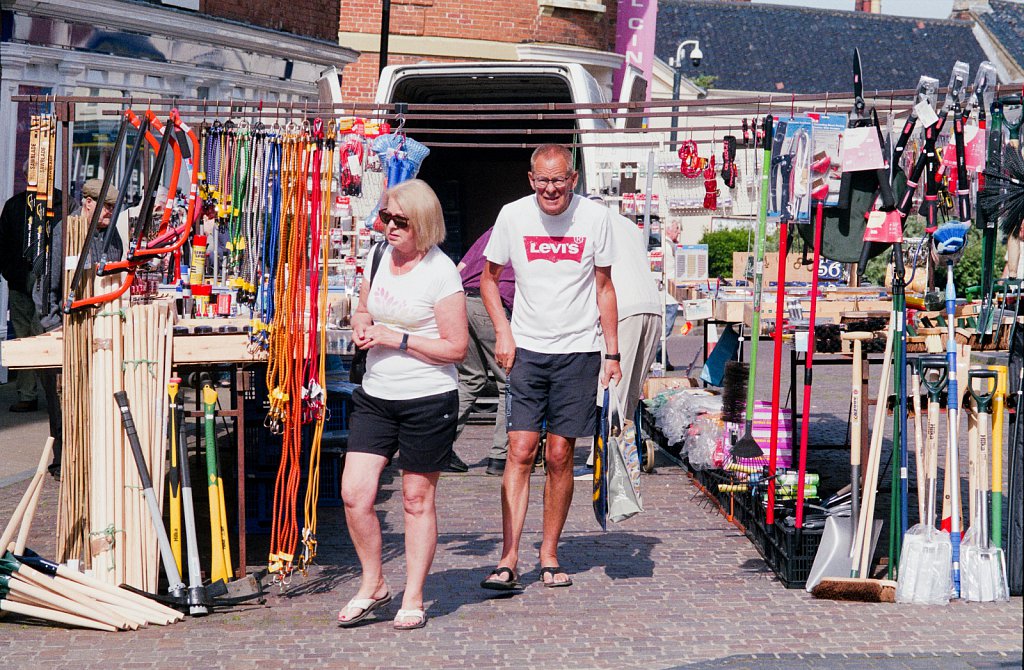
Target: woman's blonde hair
x,y
420,204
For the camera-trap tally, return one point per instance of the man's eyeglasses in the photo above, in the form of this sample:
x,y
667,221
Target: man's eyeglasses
x,y
558,182
401,222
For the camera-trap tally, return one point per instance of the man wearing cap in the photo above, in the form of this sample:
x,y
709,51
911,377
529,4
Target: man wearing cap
x,y
48,295
50,305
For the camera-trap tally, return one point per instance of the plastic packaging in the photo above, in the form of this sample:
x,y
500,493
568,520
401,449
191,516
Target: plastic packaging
x,y
703,442
674,411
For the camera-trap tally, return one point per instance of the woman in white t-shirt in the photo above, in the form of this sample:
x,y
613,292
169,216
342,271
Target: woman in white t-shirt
x,y
412,319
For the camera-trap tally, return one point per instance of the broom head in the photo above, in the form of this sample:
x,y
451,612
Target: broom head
x,y
1002,198
734,392
857,590
949,242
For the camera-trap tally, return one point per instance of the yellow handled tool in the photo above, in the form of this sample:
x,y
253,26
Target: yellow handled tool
x,y
221,545
174,475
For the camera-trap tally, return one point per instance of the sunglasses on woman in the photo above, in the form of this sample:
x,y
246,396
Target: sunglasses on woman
x,y
401,222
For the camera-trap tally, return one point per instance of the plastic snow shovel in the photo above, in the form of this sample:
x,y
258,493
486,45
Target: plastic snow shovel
x,y
926,559
983,567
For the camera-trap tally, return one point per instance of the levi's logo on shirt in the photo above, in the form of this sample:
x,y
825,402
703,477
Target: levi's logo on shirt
x,y
554,249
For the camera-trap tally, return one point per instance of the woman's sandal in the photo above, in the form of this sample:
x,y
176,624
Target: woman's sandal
x,y
554,570
420,615
510,584
367,605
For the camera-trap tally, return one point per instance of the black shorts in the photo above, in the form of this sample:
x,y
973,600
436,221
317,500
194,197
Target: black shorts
x,y
556,389
421,430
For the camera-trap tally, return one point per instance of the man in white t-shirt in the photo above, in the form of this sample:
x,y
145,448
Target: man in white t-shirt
x,y
559,245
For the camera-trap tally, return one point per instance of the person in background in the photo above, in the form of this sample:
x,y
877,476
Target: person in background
x,y
413,321
127,219
669,242
480,359
559,245
18,258
639,306
48,290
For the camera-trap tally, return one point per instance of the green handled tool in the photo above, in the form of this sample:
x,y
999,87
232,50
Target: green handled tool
x,y
746,446
221,546
998,409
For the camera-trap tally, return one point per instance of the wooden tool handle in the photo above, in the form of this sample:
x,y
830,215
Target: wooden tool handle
x,y
857,336
20,511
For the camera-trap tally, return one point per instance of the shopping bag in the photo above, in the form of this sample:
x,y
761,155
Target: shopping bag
x,y
623,464
600,499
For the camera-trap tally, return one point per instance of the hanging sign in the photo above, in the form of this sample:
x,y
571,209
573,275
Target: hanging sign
x,y
634,39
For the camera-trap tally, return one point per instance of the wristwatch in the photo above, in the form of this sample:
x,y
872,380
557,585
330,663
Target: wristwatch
x,y
613,357
405,342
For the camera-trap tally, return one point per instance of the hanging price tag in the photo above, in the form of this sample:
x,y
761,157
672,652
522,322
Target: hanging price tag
x,y
925,113
883,227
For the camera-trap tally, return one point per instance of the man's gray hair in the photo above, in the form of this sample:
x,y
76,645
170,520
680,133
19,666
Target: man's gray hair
x,y
551,150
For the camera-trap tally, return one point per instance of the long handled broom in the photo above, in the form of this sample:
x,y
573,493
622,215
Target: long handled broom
x,y
746,446
948,244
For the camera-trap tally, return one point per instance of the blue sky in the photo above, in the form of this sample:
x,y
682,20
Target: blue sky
x,y
931,9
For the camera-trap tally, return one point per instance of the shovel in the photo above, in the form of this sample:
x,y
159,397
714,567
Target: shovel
x,y
983,567
926,560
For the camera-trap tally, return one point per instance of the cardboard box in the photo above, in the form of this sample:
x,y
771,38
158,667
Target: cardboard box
x,y
795,271
655,385
730,311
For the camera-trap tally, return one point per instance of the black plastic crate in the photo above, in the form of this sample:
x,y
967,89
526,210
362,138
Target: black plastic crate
x,y
789,554
796,553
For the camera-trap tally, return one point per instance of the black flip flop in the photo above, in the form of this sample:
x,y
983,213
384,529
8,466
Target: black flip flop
x,y
554,570
510,584
358,603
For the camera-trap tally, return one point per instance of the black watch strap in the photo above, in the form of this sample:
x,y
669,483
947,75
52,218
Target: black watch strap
x,y
405,342
613,357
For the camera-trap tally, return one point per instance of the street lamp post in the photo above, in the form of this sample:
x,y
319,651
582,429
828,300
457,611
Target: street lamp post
x,y
696,55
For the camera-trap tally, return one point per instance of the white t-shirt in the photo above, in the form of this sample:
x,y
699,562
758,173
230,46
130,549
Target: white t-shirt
x,y
554,259
406,303
636,287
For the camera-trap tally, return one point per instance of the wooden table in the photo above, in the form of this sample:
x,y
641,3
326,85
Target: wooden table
x,y
47,350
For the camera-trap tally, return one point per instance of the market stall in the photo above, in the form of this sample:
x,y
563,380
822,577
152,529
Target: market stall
x,y
253,260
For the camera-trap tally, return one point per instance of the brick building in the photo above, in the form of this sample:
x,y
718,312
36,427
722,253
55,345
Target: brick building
x,y
579,31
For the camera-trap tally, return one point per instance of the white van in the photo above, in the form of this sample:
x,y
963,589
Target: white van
x,y
473,183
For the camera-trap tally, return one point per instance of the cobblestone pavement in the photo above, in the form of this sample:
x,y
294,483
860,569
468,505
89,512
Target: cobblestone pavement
x,y
676,587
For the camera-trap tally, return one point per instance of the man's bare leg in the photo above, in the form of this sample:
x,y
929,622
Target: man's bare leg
x,y
515,493
558,490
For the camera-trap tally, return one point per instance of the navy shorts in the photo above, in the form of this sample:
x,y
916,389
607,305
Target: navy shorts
x,y
421,430
557,389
